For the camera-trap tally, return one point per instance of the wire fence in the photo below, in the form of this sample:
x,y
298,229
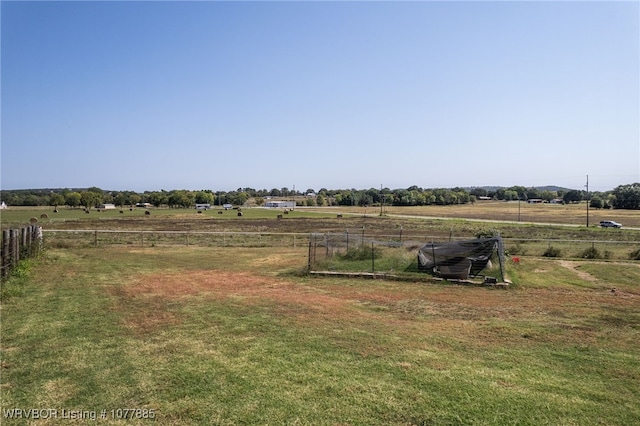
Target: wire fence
x,y
95,238
348,251
382,255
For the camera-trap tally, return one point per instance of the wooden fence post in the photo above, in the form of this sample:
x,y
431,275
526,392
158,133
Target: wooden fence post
x,y
6,249
18,244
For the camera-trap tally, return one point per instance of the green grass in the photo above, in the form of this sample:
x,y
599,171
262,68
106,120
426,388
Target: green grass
x,y
18,216
208,335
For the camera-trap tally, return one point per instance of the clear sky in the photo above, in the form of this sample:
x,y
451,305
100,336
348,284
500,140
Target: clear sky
x,y
222,95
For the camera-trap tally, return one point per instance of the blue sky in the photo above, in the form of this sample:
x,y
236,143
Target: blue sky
x,y
221,95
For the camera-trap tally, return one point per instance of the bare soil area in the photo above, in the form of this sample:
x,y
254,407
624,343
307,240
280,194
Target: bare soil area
x,y
450,311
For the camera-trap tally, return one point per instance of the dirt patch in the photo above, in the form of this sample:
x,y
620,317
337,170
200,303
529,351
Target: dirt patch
x,y
573,266
411,309
152,295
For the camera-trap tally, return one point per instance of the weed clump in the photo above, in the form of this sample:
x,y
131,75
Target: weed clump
x,y
487,233
552,251
635,255
13,286
591,253
516,249
363,252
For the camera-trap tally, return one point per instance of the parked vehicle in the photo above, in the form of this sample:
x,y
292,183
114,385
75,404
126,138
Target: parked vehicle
x,y
610,224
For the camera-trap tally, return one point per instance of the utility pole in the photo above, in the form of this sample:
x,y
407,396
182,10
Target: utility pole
x,y
588,202
381,200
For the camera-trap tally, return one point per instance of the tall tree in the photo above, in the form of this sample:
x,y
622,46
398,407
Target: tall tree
x,y
627,197
72,199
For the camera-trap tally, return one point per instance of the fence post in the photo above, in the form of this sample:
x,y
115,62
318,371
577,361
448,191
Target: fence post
x,y
347,232
15,246
311,239
6,250
24,237
373,260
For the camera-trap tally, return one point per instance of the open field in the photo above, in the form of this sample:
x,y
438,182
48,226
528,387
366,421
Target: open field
x,y
225,336
214,332
559,227
571,214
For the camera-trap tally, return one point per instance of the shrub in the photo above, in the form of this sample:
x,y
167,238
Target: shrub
x,y
515,249
552,251
591,253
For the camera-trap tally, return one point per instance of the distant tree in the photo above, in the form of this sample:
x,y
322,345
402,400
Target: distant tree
x,y
181,198
366,200
547,195
627,197
204,197
30,200
132,198
89,199
533,193
56,200
73,199
572,196
510,195
463,196
119,198
479,192
239,198
158,198
596,202
521,191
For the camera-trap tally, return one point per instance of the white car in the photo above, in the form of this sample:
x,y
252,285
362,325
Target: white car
x,y
610,224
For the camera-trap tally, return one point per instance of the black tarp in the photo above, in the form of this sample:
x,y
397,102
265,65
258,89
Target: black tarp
x,y
459,259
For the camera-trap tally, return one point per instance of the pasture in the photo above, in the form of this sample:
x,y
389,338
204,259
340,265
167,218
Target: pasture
x,y
215,334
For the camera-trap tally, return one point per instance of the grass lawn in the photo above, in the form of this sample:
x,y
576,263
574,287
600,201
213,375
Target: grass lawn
x,y
212,335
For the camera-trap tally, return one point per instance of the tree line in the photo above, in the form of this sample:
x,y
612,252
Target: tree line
x,y
622,197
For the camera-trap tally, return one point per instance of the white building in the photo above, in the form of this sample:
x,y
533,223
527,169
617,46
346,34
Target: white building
x,y
280,204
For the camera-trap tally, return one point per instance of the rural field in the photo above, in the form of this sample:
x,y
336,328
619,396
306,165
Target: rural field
x,y
219,324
